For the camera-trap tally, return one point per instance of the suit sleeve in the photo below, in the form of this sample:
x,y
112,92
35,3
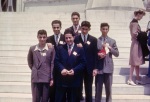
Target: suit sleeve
x,y
52,62
114,49
149,38
30,58
99,61
95,52
134,29
80,67
58,63
99,44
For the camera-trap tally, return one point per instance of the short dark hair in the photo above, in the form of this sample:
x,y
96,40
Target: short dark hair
x,y
75,13
86,23
42,32
69,31
104,25
139,12
56,22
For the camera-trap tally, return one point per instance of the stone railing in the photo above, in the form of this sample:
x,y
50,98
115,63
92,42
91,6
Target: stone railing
x,y
0,6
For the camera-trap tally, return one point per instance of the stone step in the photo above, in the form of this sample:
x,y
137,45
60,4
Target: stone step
x,y
26,77
34,37
11,53
25,87
10,47
30,43
5,68
6,47
15,97
23,61
18,97
118,70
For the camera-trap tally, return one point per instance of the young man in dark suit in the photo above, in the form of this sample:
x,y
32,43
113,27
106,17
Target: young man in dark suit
x,y
41,62
69,63
106,67
89,44
57,39
75,28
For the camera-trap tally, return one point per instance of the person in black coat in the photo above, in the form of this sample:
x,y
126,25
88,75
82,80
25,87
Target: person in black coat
x,y
57,39
89,44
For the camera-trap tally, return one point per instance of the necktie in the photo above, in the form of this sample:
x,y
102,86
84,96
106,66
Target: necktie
x,y
75,29
56,39
84,39
69,50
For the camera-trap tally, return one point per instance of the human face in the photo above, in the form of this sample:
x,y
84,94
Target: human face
x,y
75,20
104,30
85,30
42,39
69,39
56,28
139,16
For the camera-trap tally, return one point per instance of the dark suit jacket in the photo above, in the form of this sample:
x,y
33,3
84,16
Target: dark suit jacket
x,y
142,38
51,39
90,51
41,66
72,30
74,61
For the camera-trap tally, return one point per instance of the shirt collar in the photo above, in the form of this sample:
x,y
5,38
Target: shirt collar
x,y
76,26
38,48
70,45
57,34
85,35
103,37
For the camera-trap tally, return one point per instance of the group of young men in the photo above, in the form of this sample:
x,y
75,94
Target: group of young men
x,y
61,63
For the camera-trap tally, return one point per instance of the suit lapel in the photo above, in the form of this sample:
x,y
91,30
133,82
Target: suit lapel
x,y
88,40
61,39
80,39
66,50
53,40
72,29
37,52
108,40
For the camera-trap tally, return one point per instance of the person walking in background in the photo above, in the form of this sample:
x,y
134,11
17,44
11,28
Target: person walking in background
x,y
89,44
69,63
41,62
107,48
136,57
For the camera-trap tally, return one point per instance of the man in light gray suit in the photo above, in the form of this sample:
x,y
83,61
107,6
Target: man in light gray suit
x,y
41,62
107,47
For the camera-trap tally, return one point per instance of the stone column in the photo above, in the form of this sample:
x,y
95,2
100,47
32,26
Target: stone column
x,y
10,6
0,6
19,6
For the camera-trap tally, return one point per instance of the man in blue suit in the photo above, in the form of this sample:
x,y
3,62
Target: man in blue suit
x,y
89,44
69,63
